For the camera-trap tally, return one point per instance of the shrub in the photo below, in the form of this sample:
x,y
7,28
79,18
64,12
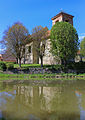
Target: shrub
x,y
71,65
79,66
2,66
9,65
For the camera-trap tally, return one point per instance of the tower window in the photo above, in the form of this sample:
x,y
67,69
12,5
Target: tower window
x,y
66,21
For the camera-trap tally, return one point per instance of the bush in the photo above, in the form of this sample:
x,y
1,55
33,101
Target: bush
x,y
10,66
71,65
78,66
2,66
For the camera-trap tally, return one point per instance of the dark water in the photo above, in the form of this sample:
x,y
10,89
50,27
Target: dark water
x,y
63,101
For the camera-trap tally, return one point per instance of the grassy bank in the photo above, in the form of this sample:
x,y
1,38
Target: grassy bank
x,y
41,76
26,66
20,76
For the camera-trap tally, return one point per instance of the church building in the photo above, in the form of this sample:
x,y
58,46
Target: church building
x,y
31,56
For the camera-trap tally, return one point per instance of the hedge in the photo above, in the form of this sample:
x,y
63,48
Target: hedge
x,y
3,66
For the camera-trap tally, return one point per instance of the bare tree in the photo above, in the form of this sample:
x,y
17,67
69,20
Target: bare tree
x,y
15,38
39,36
2,47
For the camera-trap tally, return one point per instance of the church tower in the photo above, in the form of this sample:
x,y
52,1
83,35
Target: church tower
x,y
62,17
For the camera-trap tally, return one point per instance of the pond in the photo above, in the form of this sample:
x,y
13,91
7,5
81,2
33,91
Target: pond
x,y
60,101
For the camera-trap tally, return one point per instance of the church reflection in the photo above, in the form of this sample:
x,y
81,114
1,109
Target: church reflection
x,y
24,102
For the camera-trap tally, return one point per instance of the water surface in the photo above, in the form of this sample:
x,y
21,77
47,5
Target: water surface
x,y
62,101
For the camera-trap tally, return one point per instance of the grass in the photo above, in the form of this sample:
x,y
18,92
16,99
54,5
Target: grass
x,y
26,66
40,76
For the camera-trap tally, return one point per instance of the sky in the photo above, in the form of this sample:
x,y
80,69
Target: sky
x,y
39,12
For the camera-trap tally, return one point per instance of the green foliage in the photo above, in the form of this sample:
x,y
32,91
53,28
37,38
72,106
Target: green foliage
x,y
2,66
82,47
64,41
76,66
80,66
6,65
9,65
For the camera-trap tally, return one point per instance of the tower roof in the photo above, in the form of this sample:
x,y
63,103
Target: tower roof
x,y
62,13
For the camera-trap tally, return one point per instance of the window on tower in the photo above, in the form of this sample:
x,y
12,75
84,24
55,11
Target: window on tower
x,y
66,20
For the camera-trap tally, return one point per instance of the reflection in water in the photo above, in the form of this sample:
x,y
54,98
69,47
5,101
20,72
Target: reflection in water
x,y
82,111
0,114
60,102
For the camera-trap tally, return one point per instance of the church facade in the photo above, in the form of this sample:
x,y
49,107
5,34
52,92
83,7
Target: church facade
x,y
31,56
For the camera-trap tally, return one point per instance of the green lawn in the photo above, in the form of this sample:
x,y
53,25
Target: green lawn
x,y
26,65
34,65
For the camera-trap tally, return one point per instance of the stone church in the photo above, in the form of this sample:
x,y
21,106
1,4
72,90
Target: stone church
x,y
31,56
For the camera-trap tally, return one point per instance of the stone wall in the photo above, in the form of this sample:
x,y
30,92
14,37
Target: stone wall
x,y
28,56
32,58
69,19
38,70
58,19
48,58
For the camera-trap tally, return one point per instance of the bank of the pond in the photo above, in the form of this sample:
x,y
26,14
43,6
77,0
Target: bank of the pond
x,y
43,77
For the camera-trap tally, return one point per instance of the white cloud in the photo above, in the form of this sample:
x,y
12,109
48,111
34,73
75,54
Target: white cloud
x,y
2,50
81,36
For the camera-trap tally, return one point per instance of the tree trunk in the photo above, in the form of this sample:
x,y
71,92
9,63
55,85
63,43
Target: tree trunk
x,y
24,59
42,91
65,63
16,60
20,62
24,54
62,62
37,59
80,58
41,61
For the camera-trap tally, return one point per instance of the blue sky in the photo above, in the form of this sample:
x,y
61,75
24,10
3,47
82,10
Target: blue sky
x,y
39,12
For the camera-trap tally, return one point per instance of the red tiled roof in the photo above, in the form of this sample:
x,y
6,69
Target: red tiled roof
x,y
1,57
48,33
8,57
78,52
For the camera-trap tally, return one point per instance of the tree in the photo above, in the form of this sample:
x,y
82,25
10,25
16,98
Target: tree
x,y
39,36
2,47
82,48
16,38
64,41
